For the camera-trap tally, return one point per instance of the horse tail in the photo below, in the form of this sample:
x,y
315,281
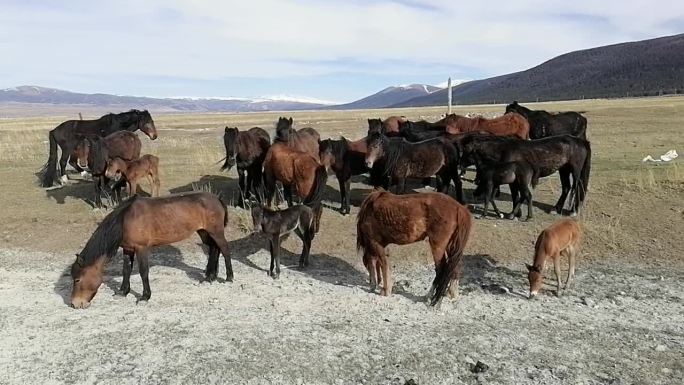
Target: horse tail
x,y
581,127
50,166
362,238
450,266
584,174
108,235
315,196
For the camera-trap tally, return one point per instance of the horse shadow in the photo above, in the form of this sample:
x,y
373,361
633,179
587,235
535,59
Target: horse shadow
x,y
481,272
78,189
225,187
322,267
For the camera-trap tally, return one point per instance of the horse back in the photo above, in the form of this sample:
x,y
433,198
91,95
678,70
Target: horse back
x,y
560,236
163,220
124,144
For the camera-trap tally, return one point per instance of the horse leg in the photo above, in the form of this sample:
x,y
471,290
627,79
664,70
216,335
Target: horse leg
x,y
557,270
127,268
438,249
287,191
489,192
514,198
66,152
144,269
496,209
565,183
576,196
275,257
572,252
386,274
343,192
371,264
269,185
304,233
221,244
98,192
242,186
211,271
521,196
527,194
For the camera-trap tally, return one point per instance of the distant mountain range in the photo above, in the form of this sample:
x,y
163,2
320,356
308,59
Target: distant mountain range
x,y
42,95
643,68
388,97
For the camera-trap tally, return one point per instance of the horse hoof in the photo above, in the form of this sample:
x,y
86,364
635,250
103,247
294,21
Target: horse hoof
x,y
501,216
229,278
573,214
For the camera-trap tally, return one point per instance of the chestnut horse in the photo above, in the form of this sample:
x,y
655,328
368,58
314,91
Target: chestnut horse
x,y
560,239
305,139
390,126
386,219
137,225
94,151
508,124
298,170
134,170
247,150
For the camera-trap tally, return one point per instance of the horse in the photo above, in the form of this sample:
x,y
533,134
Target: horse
x,y
137,225
560,239
247,150
67,133
386,219
566,154
346,159
390,126
94,151
278,224
404,159
543,124
298,170
507,124
134,170
305,139
518,175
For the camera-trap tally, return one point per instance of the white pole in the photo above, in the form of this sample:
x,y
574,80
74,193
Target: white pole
x,y
449,95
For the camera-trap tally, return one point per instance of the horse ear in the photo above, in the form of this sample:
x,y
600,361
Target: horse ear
x,y
226,129
290,120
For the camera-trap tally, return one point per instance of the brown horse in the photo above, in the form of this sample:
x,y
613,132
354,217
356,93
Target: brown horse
x,y
390,126
139,224
305,139
93,152
247,150
508,124
560,239
134,170
298,170
386,219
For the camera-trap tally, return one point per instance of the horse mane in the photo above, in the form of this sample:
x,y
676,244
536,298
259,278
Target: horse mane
x,y
362,239
393,149
97,156
338,147
107,236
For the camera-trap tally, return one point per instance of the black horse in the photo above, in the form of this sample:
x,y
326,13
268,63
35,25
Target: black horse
x,y
66,137
346,159
404,159
519,176
543,124
247,150
566,154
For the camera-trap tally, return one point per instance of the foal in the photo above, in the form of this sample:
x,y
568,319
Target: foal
x,y
278,224
133,170
561,238
518,175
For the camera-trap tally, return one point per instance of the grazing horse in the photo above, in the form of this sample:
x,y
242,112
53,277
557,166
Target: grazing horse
x,y
404,159
134,170
566,154
280,223
247,150
67,133
95,151
386,219
346,159
305,139
560,239
137,225
298,170
508,124
543,124
519,176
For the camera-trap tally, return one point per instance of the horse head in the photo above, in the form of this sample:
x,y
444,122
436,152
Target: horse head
x,y
230,139
146,124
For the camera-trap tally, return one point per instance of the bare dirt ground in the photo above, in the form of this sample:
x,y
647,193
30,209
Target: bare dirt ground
x,y
623,323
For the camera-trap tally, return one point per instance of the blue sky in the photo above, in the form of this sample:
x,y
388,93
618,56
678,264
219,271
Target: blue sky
x,y
332,50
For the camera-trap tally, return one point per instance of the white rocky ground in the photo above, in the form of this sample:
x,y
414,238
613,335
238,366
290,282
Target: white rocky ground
x,y
322,326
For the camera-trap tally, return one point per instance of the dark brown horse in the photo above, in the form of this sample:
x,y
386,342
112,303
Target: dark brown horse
x,y
247,150
346,159
519,176
278,224
295,170
66,137
386,219
390,126
139,224
404,159
543,124
566,154
93,152
304,140
507,124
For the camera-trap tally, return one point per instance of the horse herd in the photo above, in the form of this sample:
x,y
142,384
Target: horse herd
x,y
516,149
